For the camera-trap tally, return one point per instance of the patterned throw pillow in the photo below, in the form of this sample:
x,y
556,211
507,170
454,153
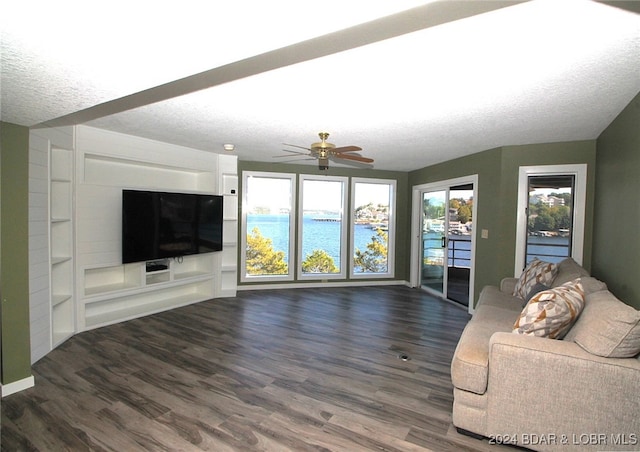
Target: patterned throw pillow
x,y
536,272
551,313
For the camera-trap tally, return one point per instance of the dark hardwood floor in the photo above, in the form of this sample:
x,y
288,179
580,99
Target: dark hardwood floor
x,y
311,369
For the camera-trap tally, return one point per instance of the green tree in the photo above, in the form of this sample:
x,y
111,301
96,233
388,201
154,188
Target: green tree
x,y
561,216
544,222
374,259
433,211
262,259
319,261
464,214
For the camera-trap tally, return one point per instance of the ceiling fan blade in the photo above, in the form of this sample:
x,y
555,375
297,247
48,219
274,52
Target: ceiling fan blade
x,y
295,160
296,146
357,158
346,149
291,152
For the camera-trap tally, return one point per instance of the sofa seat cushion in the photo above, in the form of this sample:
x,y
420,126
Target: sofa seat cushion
x,y
470,365
492,296
608,327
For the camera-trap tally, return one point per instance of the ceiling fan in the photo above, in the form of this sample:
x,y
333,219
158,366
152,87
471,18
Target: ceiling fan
x,y
323,151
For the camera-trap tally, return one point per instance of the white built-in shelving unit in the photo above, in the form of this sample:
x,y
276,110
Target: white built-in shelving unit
x,y
109,291
78,281
228,187
61,242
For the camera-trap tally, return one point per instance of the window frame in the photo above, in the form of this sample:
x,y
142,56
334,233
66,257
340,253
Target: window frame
x,y
579,171
344,247
391,233
290,276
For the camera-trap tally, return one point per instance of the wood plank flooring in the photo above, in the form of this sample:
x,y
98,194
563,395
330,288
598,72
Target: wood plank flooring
x,y
276,370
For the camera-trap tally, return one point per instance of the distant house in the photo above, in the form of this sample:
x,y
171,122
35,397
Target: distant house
x,y
549,201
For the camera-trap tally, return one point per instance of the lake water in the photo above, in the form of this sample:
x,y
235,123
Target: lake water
x,y
323,235
550,249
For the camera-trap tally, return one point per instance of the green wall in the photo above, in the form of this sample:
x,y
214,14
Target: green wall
x,y
496,204
487,166
616,241
574,152
14,252
403,201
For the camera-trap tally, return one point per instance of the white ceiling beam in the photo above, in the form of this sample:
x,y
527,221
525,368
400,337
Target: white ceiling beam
x,y
415,19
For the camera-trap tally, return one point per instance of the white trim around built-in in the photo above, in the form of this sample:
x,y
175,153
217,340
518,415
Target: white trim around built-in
x,y
17,386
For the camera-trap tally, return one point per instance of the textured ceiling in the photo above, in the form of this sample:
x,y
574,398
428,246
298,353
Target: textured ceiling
x,y
439,81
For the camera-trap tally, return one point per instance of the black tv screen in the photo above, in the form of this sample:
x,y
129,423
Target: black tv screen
x,y
159,225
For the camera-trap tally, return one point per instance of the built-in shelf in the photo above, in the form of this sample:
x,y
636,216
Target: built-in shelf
x,y
158,277
121,172
228,186
189,275
127,305
230,183
112,279
61,245
120,292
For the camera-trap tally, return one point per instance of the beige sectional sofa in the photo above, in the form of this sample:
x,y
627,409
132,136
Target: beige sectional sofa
x,y
573,393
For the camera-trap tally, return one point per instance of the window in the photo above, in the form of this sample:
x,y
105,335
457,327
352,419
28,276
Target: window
x,y
303,230
268,226
549,217
551,212
322,233
372,227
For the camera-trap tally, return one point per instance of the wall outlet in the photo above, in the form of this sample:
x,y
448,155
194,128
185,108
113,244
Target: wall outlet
x,y
484,234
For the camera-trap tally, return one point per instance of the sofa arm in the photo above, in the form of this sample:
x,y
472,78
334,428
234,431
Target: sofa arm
x,y
555,389
507,285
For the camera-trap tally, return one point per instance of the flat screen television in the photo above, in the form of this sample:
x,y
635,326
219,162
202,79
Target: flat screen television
x,y
159,225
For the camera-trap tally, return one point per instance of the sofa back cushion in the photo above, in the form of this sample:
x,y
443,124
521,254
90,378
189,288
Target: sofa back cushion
x,y
608,327
568,270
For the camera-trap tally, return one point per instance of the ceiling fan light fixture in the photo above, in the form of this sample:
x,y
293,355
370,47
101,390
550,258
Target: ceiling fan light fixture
x,y
323,164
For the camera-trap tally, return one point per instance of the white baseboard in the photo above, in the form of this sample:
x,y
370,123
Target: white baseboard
x,y
17,386
394,282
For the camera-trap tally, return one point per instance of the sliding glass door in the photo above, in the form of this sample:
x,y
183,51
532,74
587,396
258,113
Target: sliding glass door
x,y
434,258
443,233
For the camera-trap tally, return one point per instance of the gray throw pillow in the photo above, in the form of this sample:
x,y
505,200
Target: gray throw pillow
x,y
537,288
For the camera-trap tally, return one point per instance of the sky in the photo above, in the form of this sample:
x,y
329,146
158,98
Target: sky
x,y
318,194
